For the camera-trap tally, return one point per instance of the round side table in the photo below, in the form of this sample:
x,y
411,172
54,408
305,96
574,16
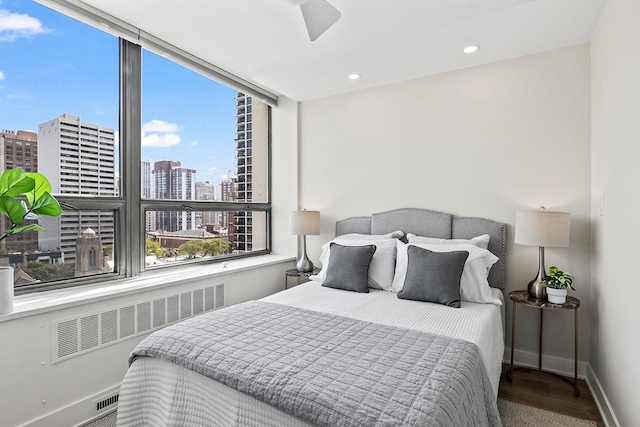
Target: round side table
x,y
523,298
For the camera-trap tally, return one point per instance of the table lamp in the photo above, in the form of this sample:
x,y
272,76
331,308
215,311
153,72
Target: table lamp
x,y
543,229
304,223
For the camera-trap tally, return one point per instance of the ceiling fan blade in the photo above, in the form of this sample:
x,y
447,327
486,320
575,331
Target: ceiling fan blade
x,y
319,16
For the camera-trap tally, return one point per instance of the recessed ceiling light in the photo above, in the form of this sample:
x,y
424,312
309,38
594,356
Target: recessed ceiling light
x,y
470,49
354,76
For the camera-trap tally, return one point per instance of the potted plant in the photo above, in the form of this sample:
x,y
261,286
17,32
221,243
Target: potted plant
x,y
557,282
23,196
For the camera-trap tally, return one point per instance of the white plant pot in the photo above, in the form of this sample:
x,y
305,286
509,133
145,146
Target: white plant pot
x,y
6,290
556,296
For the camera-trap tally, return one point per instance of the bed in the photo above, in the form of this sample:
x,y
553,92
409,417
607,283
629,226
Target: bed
x,y
317,355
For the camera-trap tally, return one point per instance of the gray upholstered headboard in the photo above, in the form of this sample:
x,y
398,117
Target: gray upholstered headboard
x,y
424,222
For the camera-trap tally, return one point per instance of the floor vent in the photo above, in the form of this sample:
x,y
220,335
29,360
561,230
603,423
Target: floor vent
x,y
105,403
90,331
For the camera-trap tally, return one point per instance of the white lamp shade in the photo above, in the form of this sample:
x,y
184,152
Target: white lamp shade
x,y
542,228
304,223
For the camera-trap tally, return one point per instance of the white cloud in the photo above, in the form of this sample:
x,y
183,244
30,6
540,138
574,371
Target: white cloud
x,y
2,76
160,126
160,140
212,169
16,25
195,142
160,134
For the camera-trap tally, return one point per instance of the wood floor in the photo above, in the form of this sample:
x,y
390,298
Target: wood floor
x,y
546,391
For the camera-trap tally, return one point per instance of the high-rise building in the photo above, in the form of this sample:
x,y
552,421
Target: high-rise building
x,y
146,191
252,145
206,191
146,182
227,192
80,160
172,181
18,150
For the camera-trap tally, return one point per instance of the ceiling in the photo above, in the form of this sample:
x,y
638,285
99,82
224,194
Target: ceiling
x,y
265,41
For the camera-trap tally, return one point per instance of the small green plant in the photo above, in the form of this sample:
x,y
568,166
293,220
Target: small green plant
x,y
25,196
558,279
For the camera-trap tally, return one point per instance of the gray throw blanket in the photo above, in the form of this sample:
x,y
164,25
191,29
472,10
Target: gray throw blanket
x,y
330,370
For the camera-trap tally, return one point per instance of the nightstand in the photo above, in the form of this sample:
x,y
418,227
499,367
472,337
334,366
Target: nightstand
x,y
298,275
523,298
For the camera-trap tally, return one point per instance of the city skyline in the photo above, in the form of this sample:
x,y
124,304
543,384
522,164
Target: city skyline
x,y
186,117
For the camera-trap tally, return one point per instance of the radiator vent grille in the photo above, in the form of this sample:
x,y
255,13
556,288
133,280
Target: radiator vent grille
x,y
173,309
68,337
109,322
185,305
127,316
159,312
90,331
219,299
144,316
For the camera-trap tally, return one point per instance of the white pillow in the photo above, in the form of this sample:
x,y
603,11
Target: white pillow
x,y
358,236
474,286
480,241
382,265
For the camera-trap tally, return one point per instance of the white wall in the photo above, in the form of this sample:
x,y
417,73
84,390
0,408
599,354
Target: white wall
x,y
485,141
616,176
284,175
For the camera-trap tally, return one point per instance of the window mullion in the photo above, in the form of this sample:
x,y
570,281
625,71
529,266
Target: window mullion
x,y
164,204
132,243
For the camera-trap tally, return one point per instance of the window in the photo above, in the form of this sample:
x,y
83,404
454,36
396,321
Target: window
x,y
58,134
198,200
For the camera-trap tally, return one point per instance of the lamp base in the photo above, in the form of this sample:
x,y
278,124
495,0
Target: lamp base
x,y
304,265
537,289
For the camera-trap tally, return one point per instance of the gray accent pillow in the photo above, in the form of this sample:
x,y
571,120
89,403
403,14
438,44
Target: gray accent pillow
x,y
434,276
349,267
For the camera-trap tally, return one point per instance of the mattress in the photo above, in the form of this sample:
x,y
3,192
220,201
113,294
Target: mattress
x,y
157,392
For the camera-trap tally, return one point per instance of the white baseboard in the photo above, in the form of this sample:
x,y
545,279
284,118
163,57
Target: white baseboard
x,y
608,416
554,364
76,414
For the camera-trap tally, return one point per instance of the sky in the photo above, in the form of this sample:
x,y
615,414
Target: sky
x,y
51,64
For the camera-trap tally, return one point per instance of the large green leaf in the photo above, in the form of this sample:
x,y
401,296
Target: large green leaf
x,y
41,186
13,208
30,227
14,182
46,204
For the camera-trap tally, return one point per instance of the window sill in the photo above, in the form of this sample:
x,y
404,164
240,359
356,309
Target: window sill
x,y
43,302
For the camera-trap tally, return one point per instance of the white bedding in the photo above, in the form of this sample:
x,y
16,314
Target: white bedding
x,y
159,393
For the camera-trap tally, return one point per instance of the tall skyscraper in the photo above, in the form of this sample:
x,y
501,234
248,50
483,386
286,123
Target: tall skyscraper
x,y
147,191
228,189
172,181
80,159
252,124
146,177
206,191
18,150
